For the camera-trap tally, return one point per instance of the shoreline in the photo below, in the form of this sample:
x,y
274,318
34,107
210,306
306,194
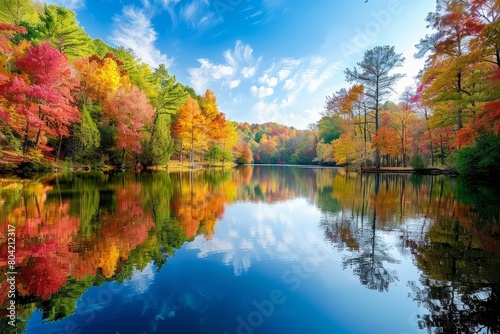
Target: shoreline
x,y
410,170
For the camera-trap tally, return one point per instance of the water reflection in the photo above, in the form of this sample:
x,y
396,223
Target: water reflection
x,y
78,231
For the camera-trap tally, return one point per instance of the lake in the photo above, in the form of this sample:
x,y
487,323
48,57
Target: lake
x,y
256,249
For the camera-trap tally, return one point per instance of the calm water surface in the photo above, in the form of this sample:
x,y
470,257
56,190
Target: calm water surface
x,y
251,250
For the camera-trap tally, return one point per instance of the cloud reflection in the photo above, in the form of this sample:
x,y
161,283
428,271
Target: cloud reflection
x,y
285,231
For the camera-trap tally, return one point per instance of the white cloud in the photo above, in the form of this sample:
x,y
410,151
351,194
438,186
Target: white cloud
x,y
169,7
242,56
206,72
290,100
168,3
283,74
133,29
235,83
317,60
299,99
308,78
248,72
282,70
290,65
190,11
239,57
289,84
281,112
71,4
272,4
326,74
198,14
268,81
253,15
267,112
262,91
312,115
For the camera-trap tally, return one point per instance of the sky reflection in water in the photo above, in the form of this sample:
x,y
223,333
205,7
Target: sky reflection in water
x,y
291,251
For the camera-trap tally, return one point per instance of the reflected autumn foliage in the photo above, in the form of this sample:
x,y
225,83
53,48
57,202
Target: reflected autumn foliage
x,y
122,229
43,230
76,231
450,228
199,200
459,258
273,184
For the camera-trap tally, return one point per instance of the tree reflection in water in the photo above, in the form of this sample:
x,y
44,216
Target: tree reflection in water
x,y
84,230
450,228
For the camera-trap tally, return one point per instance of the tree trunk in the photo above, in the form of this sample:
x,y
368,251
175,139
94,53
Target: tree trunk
x,y
39,132
403,147
430,135
442,151
364,132
59,148
191,158
377,152
25,144
181,154
459,112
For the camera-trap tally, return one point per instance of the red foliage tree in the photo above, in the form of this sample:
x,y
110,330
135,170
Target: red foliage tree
x,y
50,108
130,111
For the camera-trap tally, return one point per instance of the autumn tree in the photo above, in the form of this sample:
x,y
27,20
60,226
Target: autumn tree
x,y
484,48
59,26
245,155
189,126
329,128
374,75
460,82
486,14
100,78
229,140
425,112
348,108
130,112
101,48
214,120
140,73
387,142
17,11
50,107
12,84
224,139
122,111
399,124
452,78
87,136
344,150
169,98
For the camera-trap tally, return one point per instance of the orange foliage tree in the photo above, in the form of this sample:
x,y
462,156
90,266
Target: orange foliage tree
x,y
189,126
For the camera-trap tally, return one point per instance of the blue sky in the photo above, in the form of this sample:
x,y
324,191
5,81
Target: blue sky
x,y
266,60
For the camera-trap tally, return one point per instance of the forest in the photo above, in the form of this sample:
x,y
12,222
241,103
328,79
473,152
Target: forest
x,y
69,100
